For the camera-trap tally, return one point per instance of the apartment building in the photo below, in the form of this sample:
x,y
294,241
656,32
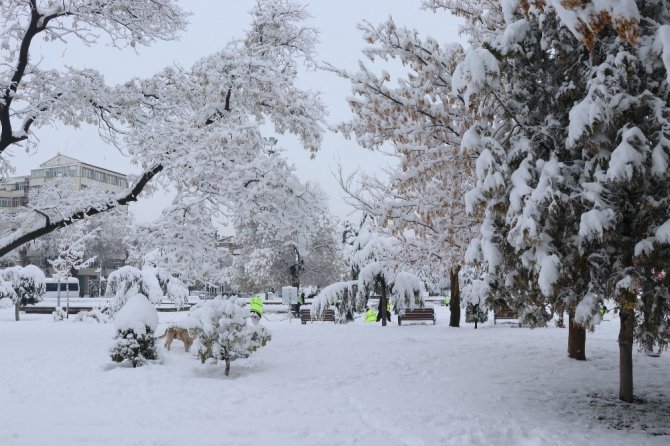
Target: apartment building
x,y
14,194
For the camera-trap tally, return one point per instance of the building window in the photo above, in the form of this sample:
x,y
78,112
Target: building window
x,y
5,202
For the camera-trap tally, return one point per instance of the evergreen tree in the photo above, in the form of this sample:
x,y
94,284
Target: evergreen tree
x,y
573,149
225,332
135,325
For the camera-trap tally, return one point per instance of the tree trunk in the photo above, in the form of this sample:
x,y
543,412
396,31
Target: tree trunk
x,y
576,339
475,324
227,371
16,310
455,299
627,316
382,303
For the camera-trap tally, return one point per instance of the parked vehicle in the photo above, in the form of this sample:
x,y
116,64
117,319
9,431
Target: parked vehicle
x,y
68,288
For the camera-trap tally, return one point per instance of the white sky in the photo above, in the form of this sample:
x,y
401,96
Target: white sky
x,y
212,25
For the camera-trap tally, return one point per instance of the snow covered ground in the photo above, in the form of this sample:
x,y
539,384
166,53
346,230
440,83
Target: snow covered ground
x,y
326,384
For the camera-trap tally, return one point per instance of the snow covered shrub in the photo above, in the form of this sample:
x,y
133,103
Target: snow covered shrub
x,y
475,313
7,295
224,331
6,302
408,291
136,324
534,316
341,295
473,294
91,316
59,314
153,283
27,283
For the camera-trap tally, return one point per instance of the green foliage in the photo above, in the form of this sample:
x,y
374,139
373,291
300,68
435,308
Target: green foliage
x,y
133,347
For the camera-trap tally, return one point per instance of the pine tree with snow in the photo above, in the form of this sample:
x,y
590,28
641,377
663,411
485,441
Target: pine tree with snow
x,y
572,177
135,325
225,332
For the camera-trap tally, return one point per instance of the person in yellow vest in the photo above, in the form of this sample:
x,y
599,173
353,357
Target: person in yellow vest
x,y
256,308
371,316
446,301
301,302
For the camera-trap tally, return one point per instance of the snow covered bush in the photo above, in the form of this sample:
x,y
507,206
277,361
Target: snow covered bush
x,y
149,281
343,296
136,324
59,314
27,283
91,316
475,313
407,291
7,294
225,332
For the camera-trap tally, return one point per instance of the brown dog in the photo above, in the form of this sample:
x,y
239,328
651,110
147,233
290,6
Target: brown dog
x,y
175,332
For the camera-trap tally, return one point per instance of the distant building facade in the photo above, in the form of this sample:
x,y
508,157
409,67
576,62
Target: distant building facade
x,y
14,195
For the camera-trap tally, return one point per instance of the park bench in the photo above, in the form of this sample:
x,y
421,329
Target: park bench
x,y
306,315
504,313
418,314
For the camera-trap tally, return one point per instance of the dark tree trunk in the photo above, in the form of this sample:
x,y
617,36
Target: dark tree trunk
x,y
16,310
560,312
627,316
576,339
23,253
455,299
227,371
475,324
382,303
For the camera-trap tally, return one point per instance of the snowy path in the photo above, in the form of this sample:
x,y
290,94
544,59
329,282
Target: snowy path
x,y
319,384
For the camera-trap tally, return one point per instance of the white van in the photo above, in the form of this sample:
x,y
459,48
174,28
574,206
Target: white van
x,y
71,284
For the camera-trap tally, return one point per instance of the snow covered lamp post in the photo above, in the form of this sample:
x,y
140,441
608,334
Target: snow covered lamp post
x,y
136,324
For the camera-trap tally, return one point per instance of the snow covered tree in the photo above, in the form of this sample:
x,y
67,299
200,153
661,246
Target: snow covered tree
x,y
422,203
225,332
192,255
151,282
373,257
343,296
28,284
286,236
572,177
135,325
208,144
32,97
71,247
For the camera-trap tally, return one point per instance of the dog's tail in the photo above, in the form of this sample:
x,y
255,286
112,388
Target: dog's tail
x,y
161,337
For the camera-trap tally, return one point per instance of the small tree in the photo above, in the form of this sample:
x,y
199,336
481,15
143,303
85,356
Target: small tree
x,y
153,283
223,329
71,246
28,285
136,324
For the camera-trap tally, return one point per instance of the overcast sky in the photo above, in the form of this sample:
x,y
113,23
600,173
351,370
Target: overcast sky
x,y
212,25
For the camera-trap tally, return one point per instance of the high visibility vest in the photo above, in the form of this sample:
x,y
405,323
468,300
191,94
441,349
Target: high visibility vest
x,y
446,300
371,316
256,304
